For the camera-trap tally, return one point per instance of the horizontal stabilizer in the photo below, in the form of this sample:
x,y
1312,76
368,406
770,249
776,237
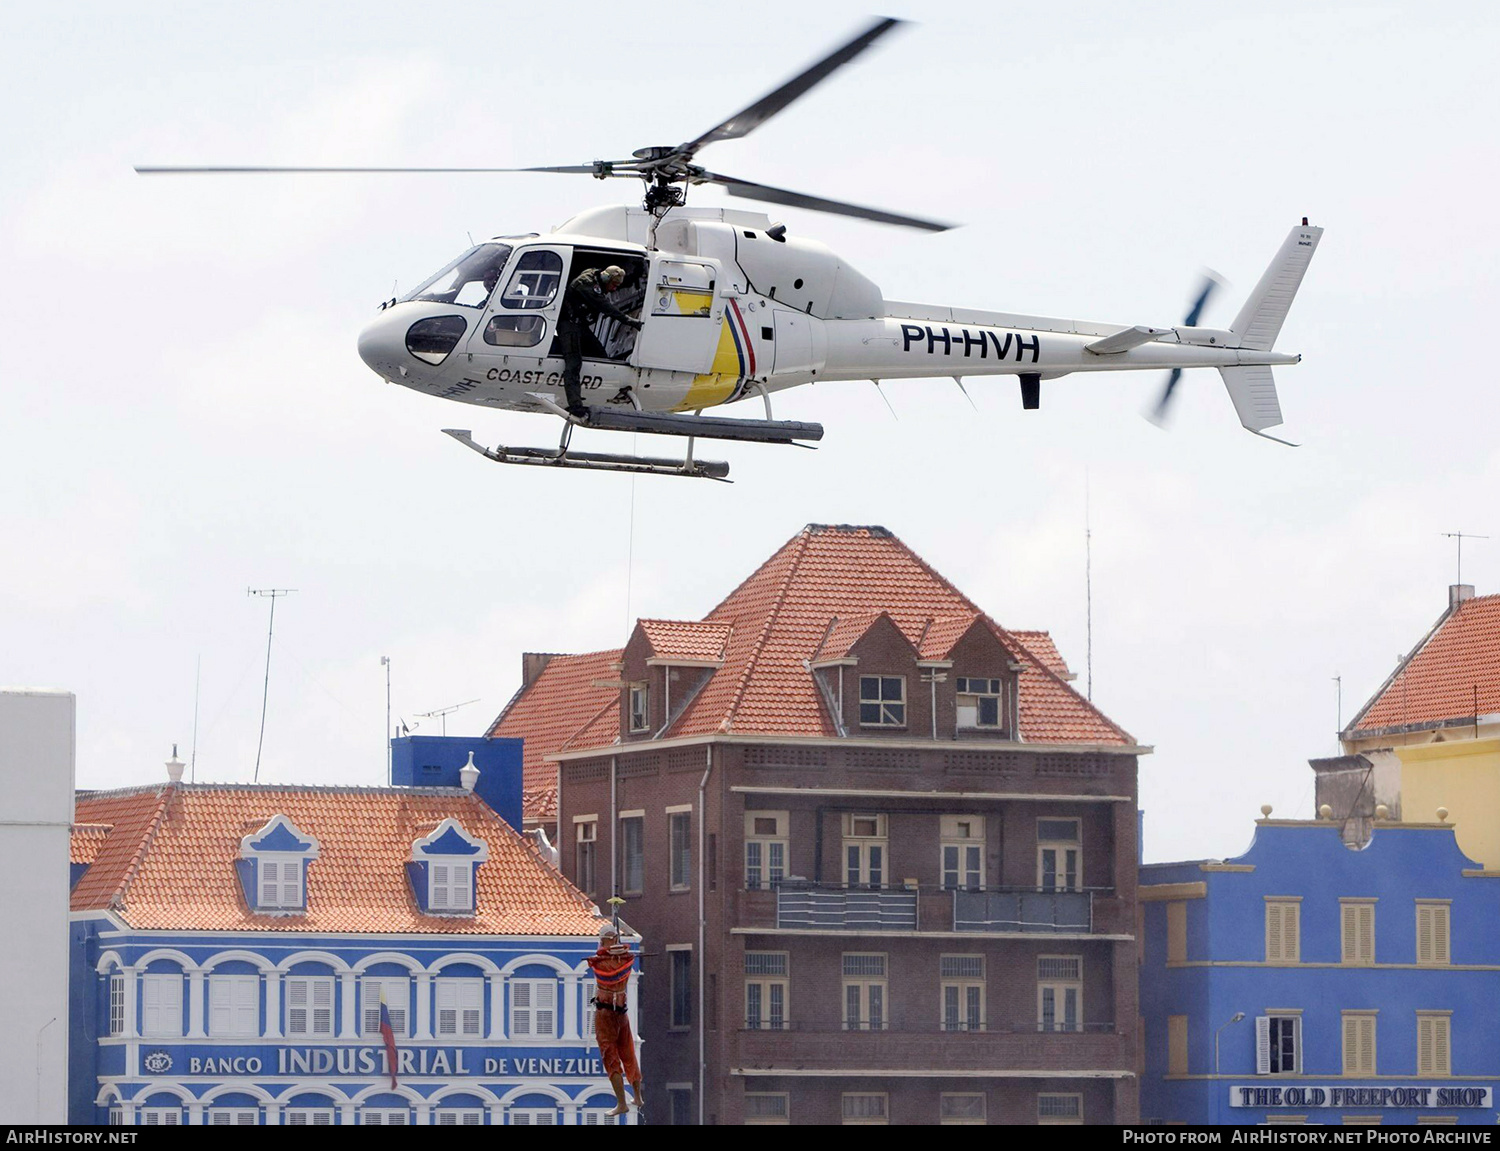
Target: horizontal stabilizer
x,y
1124,340
1253,391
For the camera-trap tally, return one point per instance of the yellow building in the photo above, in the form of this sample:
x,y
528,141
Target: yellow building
x,y
1430,736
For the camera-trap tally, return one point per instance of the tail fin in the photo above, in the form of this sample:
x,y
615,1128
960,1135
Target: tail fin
x,y
1252,388
1260,320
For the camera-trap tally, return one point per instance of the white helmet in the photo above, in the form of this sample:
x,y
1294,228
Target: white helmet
x,y
608,930
614,274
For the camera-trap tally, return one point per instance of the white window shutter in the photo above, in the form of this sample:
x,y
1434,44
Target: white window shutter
x,y
221,1015
462,900
1291,931
1263,1045
439,886
247,1005
1440,952
296,1006
447,1007
1273,933
291,883
268,882
545,997
151,1005
322,1007
1297,1044
471,1003
520,1000
1367,933
1350,933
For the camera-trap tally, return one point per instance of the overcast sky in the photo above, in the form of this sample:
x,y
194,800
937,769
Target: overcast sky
x,y
185,416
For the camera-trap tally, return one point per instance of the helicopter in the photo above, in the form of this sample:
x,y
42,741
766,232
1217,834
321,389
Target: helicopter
x,y
725,306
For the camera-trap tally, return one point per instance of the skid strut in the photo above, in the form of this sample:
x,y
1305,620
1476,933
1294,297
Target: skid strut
x,y
562,457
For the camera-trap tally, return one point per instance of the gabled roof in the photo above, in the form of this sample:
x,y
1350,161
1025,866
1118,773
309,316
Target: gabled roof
x,y
939,635
813,598
169,861
1452,674
695,641
843,633
554,706
86,840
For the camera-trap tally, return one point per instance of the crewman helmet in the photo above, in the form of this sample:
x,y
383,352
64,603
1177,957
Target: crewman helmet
x,y
614,274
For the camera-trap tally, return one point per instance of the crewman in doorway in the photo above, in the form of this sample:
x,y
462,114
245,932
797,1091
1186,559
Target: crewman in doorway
x,y
611,965
586,299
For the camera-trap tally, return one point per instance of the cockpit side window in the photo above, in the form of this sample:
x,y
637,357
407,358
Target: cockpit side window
x,y
535,281
468,280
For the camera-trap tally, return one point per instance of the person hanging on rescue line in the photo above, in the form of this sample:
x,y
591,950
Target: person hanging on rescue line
x,y
586,299
611,965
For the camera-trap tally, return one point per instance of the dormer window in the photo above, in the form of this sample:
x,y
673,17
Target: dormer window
x,y
450,886
273,867
279,882
978,702
882,701
442,869
640,714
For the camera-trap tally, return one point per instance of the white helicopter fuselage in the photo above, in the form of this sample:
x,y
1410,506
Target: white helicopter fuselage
x,y
732,308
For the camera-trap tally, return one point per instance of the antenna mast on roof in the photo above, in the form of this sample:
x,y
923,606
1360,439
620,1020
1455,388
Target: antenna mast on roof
x,y
1460,537
443,712
273,594
1088,584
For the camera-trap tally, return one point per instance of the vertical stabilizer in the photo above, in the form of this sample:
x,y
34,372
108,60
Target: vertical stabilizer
x,y
1260,320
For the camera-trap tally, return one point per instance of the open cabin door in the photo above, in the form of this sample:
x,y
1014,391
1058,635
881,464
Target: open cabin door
x,y
683,313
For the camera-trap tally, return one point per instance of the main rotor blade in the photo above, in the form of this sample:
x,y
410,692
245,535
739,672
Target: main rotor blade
x,y
581,169
753,191
745,121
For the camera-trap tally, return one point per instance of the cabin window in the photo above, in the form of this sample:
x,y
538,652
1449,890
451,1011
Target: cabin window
x,y
534,283
467,281
431,340
515,331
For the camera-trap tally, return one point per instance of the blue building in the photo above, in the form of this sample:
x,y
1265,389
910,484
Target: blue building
x,y
232,947
1308,982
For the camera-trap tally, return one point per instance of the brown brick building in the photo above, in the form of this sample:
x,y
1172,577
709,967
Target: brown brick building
x,y
881,852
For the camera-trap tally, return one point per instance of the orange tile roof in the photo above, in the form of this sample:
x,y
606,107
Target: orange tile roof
x,y
555,705
183,839
1453,674
1041,645
939,635
842,634
540,806
815,595
695,640
85,842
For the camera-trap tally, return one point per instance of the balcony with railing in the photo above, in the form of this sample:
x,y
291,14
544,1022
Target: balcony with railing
x,y
805,905
833,1045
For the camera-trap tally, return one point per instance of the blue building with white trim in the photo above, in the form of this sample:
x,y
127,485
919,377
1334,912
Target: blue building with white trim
x,y
232,947
1310,982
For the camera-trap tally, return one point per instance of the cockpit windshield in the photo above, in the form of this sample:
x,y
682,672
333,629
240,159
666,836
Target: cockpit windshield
x,y
468,280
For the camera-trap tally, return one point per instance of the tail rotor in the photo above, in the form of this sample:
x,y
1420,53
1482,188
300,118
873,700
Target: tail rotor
x,y
1211,282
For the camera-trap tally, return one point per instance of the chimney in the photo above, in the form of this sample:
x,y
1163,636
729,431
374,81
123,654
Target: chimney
x,y
175,766
1459,593
533,663
468,774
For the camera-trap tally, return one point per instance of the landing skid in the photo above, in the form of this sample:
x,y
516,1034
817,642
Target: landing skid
x,y
765,431
563,457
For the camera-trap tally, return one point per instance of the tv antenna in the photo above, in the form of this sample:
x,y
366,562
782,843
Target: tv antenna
x,y
442,713
273,594
1460,537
